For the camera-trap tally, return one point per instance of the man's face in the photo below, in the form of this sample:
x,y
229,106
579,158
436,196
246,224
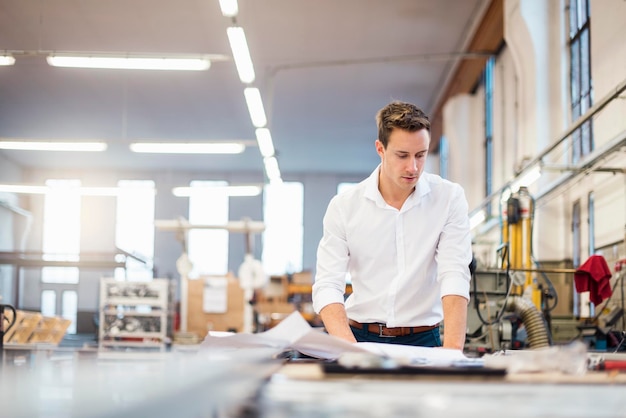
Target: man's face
x,y
403,160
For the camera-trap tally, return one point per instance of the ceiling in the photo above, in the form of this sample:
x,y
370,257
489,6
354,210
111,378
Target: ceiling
x,y
323,68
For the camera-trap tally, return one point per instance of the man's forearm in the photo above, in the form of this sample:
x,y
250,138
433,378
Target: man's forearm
x,y
455,321
336,321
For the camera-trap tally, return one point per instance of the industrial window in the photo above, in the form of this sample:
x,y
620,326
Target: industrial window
x,y
576,251
444,157
208,248
134,228
69,308
581,88
592,221
489,85
283,209
48,302
345,186
61,230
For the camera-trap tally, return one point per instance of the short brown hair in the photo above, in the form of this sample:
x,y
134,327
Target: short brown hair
x,y
400,115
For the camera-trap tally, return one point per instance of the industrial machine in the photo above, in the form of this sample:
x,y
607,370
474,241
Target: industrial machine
x,y
508,301
512,305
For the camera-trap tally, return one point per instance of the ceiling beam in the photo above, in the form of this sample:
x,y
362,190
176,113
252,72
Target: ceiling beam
x,y
488,37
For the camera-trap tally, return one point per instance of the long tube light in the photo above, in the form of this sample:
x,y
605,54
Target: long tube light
x,y
264,140
53,146
255,107
241,54
25,189
229,190
188,147
526,180
229,8
83,191
477,219
271,169
7,60
130,62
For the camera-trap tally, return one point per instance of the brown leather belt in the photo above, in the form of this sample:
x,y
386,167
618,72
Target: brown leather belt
x,y
383,331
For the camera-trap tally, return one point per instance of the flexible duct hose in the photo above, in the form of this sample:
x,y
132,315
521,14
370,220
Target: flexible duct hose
x,y
532,319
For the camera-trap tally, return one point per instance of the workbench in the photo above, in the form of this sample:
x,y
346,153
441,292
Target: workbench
x,y
303,390
184,382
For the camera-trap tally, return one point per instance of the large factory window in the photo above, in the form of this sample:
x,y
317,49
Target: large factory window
x,y
580,76
444,157
283,209
48,302
61,230
69,308
344,186
134,228
208,248
591,211
61,242
489,86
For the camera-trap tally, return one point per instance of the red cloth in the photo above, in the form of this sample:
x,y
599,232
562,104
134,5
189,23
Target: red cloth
x,y
594,276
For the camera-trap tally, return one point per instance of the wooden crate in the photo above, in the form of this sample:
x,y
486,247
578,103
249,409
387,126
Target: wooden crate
x,y
51,330
34,328
25,325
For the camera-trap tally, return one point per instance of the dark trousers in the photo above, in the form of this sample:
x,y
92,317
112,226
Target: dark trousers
x,y
430,338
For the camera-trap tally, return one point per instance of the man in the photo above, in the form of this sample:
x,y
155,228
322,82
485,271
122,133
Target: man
x,y
403,235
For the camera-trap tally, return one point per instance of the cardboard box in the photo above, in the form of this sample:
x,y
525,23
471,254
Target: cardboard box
x,y
200,322
303,277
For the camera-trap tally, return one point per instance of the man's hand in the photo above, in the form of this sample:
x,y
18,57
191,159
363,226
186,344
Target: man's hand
x,y
454,321
336,321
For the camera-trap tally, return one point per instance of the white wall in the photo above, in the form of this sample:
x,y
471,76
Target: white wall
x,y
463,120
531,112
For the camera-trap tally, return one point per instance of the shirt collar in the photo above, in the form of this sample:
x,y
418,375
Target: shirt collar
x,y
371,190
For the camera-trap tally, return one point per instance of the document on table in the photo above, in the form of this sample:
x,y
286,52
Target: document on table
x,y
294,333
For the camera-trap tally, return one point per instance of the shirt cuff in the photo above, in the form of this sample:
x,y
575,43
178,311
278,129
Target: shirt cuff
x,y
455,284
324,297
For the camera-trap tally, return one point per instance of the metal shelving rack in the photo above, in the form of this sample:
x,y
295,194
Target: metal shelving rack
x,y
134,314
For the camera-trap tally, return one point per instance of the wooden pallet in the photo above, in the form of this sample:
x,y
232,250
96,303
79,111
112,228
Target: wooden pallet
x,y
34,328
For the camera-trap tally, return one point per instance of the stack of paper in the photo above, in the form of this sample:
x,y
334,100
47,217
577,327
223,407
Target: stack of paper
x,y
295,333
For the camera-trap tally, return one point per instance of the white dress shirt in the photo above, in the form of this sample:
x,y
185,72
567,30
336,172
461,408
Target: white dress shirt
x,y
401,262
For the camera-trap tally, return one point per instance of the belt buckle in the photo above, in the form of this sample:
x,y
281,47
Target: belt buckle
x,y
380,332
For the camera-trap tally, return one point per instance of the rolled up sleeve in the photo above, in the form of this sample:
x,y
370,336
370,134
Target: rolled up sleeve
x,y
454,252
332,261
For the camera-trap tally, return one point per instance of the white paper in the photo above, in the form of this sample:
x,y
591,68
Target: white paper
x,y
416,356
295,333
215,295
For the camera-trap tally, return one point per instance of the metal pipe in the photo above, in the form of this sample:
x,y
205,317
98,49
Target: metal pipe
x,y
553,270
579,122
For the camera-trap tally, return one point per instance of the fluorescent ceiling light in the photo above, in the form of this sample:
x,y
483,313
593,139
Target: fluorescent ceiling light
x,y
130,62
255,107
229,8
264,139
527,179
271,168
477,219
53,146
241,54
7,60
524,181
188,147
229,190
83,191
99,191
16,188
